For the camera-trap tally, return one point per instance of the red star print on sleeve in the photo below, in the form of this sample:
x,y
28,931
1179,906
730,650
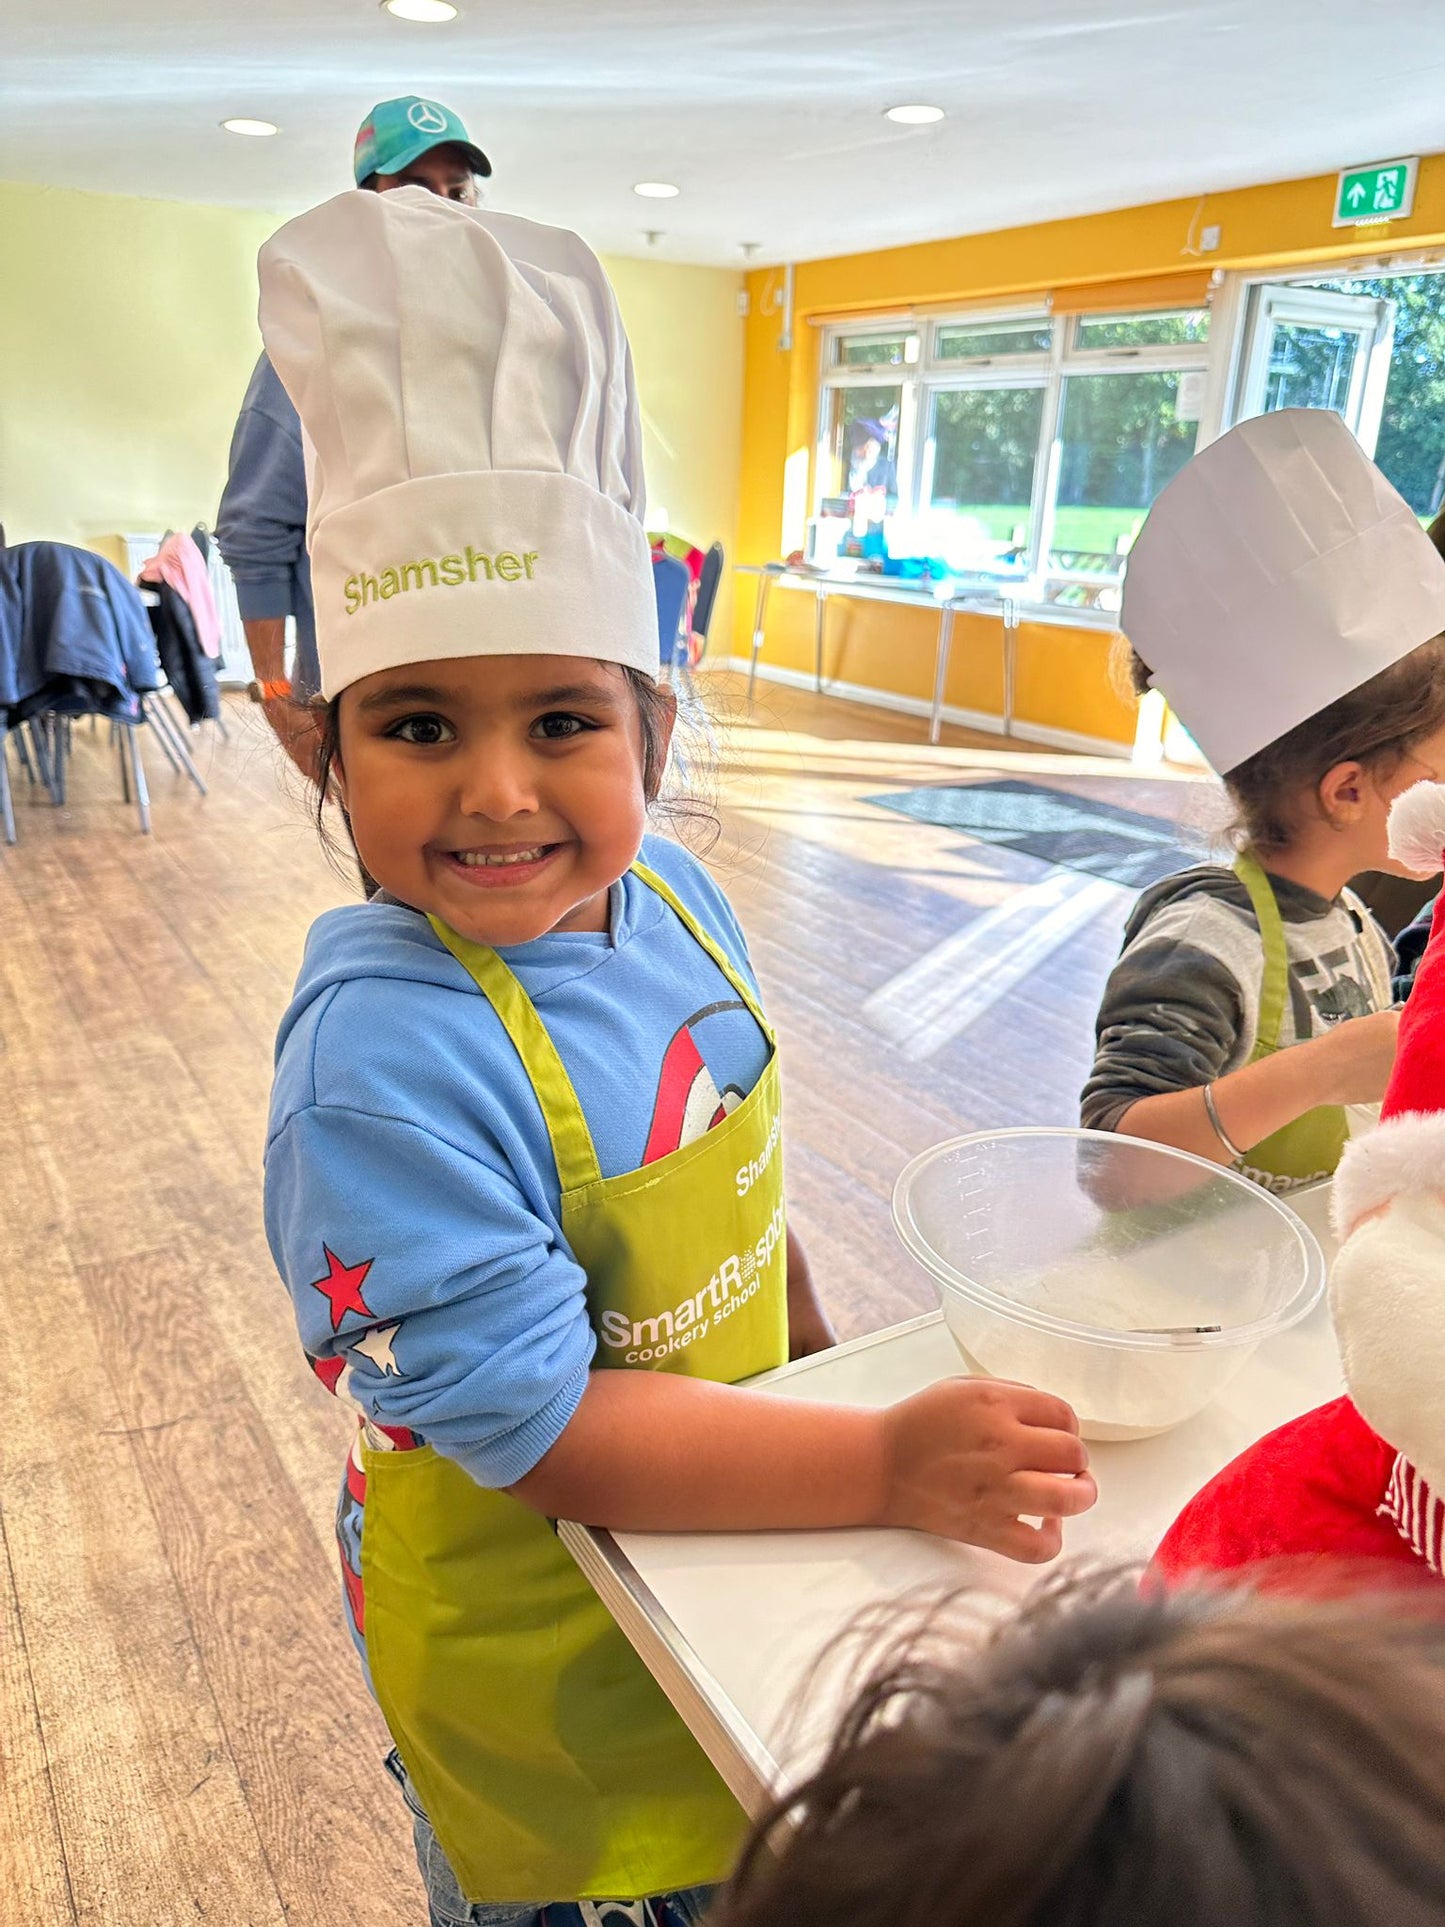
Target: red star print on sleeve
x,y
341,1287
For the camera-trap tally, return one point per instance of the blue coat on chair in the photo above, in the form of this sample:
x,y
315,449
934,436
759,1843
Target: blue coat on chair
x,y
85,640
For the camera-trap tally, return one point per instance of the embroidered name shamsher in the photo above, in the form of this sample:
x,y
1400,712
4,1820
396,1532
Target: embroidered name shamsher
x,y
440,572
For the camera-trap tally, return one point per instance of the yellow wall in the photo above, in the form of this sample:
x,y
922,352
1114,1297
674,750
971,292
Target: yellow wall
x,y
1062,676
128,333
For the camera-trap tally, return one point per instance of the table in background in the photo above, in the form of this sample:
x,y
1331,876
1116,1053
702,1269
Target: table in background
x,y
895,589
734,1624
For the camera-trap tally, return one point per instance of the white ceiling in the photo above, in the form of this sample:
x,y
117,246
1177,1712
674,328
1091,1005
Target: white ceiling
x,y
767,113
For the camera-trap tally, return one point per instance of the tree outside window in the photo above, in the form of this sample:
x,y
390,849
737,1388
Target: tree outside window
x,y
1411,445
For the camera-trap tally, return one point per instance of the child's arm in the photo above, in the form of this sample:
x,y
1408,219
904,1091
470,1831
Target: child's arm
x,y
1349,1065
809,1327
425,1274
969,1458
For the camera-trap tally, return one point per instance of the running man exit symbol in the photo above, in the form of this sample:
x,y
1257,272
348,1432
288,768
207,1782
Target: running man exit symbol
x,y
1384,192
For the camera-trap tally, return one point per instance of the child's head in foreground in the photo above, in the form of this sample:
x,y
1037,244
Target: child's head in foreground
x,y
1122,1758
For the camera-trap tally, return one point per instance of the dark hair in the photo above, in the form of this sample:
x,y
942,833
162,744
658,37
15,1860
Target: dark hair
x,y
653,703
1115,1757
1377,724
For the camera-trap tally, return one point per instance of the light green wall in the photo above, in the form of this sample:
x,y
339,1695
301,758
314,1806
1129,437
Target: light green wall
x,y
127,334
687,344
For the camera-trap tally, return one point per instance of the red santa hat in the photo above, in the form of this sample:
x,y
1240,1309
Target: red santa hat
x,y
1364,1477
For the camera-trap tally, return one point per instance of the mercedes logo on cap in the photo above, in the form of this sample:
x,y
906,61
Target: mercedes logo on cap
x,y
427,118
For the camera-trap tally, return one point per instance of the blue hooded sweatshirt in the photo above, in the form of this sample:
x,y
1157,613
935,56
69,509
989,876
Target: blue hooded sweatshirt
x,y
412,1200
261,523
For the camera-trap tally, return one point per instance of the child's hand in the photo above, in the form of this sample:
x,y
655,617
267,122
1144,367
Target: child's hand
x,y
1356,1058
973,1458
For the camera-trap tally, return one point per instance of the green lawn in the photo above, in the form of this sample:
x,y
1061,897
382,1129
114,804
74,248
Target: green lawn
x,y
1094,529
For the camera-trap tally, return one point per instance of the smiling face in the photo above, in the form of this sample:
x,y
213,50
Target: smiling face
x,y
503,794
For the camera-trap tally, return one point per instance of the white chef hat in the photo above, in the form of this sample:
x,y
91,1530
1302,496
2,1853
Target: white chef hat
x,y
474,450
1278,571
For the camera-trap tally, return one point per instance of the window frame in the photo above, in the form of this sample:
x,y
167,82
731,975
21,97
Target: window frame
x,y
930,375
1237,298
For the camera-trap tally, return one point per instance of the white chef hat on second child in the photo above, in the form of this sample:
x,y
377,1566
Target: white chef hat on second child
x,y
474,458
1278,571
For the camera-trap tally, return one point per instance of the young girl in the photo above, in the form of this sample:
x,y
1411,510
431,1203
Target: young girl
x,y
525,1122
1251,1006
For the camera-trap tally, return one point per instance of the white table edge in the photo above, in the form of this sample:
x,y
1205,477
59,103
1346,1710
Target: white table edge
x,y
750,1771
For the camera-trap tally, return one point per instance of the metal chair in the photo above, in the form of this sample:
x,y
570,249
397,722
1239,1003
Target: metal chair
x,y
7,805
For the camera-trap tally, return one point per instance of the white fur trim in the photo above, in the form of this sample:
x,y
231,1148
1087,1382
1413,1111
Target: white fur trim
x,y
1405,1154
1417,828
1387,1296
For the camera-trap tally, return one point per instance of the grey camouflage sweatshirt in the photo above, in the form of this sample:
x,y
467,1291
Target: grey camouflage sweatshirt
x,y
1181,1006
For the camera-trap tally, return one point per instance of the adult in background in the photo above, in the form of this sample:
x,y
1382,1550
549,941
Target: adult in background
x,y
261,527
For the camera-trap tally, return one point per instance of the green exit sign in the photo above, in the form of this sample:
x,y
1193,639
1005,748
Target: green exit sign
x,y
1384,192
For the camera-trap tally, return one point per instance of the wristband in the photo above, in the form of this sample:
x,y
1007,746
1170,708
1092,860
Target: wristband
x,y
268,692
1236,1155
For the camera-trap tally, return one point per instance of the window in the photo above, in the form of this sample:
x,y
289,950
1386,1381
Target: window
x,y
1166,330
970,340
1022,449
890,350
1410,444
1371,347
861,443
1313,348
1120,441
984,445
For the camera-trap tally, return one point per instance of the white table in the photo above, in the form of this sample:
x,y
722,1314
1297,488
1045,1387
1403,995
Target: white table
x,y
895,589
733,1625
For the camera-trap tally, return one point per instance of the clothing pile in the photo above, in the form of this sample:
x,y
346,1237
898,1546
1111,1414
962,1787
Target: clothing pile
x,y
186,622
73,635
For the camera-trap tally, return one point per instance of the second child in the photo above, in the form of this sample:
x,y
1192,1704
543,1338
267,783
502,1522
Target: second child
x,y
1289,607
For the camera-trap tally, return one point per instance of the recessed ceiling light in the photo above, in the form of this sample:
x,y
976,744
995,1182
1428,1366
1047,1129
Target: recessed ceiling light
x,y
657,190
917,116
258,129
433,12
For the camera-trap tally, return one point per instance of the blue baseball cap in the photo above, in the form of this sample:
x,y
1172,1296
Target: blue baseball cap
x,y
397,132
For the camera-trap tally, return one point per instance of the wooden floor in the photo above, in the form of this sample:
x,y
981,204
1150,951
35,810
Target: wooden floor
x,y
183,1733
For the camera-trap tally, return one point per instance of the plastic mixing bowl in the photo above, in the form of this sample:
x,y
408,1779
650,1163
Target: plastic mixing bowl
x,y
1130,1279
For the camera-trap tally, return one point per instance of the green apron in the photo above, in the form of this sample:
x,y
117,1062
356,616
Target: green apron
x,y
549,1761
1310,1147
